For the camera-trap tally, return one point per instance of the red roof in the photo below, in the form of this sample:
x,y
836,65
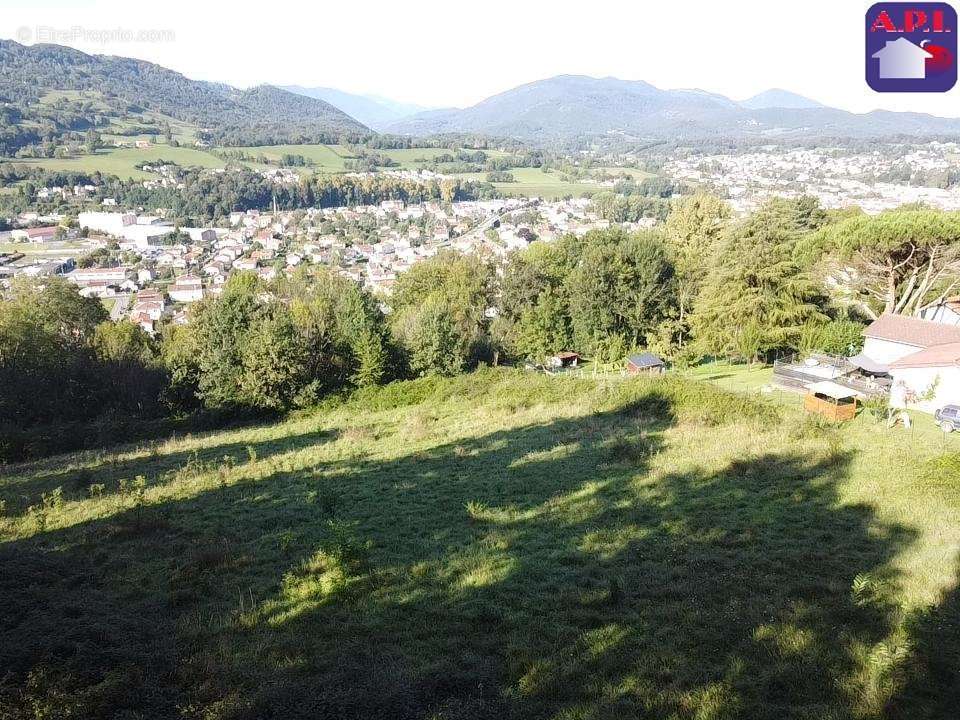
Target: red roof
x,y
912,331
41,231
947,354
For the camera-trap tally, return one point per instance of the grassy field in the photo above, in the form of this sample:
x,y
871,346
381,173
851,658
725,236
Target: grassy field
x,y
535,182
326,158
496,545
123,161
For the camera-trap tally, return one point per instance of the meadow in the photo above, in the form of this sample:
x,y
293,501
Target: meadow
x,y
496,544
123,162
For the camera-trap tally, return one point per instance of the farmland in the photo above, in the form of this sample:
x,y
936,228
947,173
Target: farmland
x,y
497,544
123,162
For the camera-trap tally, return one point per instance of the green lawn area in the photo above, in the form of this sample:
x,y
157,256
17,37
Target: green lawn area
x,y
534,182
734,376
123,161
501,544
327,158
50,248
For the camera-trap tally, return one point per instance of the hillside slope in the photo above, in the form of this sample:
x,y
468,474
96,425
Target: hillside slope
x,y
498,544
28,73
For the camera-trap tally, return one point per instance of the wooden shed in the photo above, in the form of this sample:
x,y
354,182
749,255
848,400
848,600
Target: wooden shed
x,y
645,363
831,400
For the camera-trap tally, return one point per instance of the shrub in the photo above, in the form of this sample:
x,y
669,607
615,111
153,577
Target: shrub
x,y
345,547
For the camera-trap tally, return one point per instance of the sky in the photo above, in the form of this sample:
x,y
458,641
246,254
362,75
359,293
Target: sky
x,y
443,53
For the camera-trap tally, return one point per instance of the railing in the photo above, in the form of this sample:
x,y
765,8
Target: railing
x,y
792,376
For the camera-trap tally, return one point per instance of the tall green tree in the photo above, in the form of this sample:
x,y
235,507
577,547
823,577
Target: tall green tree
x,y
756,298
692,232
456,286
622,285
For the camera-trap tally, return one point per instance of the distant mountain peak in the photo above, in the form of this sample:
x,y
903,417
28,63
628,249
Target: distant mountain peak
x,y
779,98
372,110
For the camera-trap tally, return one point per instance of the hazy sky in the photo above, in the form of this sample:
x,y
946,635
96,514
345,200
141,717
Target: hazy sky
x,y
446,53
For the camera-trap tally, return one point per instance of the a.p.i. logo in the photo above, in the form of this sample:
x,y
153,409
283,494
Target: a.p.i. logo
x,y
911,47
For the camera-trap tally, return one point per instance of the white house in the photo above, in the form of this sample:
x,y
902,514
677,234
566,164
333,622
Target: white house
x,y
890,338
900,59
186,289
927,380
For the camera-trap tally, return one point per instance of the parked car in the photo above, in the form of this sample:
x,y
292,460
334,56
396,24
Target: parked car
x,y
948,418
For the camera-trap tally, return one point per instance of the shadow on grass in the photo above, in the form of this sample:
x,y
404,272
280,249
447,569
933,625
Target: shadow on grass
x,y
932,685
580,583
75,482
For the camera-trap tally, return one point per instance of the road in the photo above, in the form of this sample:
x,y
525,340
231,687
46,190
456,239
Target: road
x,y
480,229
119,309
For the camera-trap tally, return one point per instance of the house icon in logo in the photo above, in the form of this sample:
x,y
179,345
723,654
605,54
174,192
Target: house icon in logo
x,y
900,59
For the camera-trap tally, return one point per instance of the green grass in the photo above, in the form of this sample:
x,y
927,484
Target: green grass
x,y
326,158
51,248
740,377
498,544
535,182
123,161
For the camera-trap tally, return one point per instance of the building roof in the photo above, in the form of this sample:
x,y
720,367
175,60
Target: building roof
x,y
644,360
40,231
831,389
868,364
912,331
946,355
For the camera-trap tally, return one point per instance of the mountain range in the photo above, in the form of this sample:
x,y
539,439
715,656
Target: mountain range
x,y
56,93
374,111
576,106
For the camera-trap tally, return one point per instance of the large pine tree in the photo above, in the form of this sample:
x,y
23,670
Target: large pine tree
x,y
756,299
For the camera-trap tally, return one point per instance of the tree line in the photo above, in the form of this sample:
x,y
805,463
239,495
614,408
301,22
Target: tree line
x,y
788,277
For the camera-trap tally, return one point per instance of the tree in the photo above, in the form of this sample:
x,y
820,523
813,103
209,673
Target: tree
x,y
756,298
622,285
92,141
275,362
692,231
219,327
432,338
543,328
901,261
129,369
461,284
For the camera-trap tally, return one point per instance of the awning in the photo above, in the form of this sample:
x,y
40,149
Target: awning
x,y
831,389
871,366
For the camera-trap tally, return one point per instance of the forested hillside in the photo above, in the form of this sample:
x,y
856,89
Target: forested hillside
x,y
126,87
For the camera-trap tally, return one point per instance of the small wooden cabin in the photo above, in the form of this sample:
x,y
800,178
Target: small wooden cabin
x,y
646,363
831,400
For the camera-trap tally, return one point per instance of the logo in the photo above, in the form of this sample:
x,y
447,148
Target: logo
x,y
911,47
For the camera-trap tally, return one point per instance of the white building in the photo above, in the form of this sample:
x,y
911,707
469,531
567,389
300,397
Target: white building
x,y
921,356
186,289
141,231
927,380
